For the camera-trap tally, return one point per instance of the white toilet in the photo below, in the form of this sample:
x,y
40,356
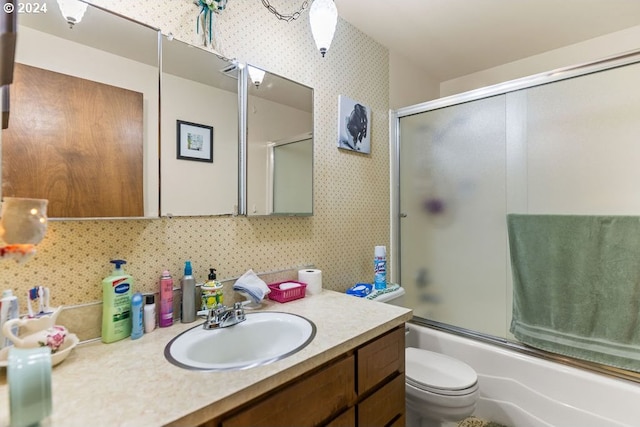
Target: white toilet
x,y
439,388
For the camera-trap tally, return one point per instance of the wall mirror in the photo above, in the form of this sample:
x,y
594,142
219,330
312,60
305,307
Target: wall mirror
x,y
279,145
83,123
199,132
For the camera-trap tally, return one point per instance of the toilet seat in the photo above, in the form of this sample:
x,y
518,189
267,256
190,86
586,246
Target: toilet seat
x,y
438,373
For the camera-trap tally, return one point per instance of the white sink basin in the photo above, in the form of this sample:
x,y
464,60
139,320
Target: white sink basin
x,y
261,339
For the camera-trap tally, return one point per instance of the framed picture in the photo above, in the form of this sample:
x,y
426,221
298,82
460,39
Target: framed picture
x,y
195,142
354,126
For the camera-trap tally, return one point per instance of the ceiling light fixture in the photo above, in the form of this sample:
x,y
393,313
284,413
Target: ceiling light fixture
x,y
323,17
72,11
256,75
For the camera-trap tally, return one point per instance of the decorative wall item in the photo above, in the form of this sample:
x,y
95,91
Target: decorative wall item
x,y
195,142
354,125
205,24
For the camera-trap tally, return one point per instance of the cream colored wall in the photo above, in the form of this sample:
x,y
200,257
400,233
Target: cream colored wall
x,y
351,190
588,51
408,84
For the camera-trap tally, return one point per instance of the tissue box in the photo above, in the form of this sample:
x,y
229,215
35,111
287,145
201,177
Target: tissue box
x,y
286,295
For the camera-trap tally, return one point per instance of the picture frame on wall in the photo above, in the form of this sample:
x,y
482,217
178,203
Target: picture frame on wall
x,y
354,125
195,141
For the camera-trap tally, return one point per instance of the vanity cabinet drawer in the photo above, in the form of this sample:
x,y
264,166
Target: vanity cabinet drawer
x,y
308,402
380,359
384,407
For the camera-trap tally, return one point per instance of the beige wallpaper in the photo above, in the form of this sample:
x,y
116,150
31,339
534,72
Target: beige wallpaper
x,y
351,190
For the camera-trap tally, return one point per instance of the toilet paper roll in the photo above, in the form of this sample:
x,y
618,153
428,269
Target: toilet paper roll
x,y
313,279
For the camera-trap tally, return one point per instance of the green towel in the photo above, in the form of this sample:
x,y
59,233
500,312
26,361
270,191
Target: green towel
x,y
576,286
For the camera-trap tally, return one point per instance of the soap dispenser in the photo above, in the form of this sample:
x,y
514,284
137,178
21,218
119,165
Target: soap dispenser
x,y
211,292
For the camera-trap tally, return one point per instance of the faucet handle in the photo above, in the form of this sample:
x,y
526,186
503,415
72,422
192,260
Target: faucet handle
x,y
238,308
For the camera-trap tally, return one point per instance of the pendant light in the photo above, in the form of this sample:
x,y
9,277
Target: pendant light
x,y
323,17
72,10
256,75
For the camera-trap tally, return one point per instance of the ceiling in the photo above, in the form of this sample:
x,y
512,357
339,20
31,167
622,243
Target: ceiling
x,y
452,38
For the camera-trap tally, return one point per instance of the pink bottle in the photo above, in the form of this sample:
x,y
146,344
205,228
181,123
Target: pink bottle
x,y
166,300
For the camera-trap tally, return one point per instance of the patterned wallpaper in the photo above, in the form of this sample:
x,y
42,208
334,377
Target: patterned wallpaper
x,y
351,197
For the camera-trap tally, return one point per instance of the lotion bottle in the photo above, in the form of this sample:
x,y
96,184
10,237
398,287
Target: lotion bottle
x,y
166,300
116,304
188,286
149,314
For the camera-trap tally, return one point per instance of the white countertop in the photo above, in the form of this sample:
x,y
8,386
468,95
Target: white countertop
x,y
130,383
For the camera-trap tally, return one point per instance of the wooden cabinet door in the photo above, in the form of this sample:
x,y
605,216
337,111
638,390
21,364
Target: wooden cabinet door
x,y
384,407
380,359
311,401
76,142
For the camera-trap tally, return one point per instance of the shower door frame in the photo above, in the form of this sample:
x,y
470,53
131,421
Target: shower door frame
x,y
610,62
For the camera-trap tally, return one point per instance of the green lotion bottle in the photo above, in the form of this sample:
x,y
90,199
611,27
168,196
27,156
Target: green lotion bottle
x,y
116,304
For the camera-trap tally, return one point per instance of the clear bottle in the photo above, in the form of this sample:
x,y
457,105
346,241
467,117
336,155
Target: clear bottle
x,y
188,287
166,300
149,314
137,328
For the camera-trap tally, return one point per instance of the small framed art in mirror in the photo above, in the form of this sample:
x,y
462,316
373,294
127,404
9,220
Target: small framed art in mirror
x,y
195,142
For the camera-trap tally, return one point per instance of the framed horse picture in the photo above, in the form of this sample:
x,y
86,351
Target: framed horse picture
x,y
354,125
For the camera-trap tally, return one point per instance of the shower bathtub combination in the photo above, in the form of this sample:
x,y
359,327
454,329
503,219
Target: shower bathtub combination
x,y
519,390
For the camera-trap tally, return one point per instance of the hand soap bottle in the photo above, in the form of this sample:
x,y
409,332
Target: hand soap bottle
x,y
211,292
116,304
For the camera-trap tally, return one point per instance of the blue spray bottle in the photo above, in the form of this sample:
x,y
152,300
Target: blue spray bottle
x,y
380,267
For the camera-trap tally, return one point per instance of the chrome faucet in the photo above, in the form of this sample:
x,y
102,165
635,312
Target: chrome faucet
x,y
222,316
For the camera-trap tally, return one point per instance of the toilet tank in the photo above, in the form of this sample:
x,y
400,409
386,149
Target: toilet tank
x,y
390,295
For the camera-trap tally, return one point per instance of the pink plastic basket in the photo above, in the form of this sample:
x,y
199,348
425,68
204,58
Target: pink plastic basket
x,y
286,295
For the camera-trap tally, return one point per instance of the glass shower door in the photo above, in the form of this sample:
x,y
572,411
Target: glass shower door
x,y
453,260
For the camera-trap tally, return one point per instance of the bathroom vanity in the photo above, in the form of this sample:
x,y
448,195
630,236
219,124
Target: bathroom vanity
x,y
368,381
352,373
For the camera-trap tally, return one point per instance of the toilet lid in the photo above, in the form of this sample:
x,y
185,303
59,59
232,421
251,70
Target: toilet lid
x,y
435,371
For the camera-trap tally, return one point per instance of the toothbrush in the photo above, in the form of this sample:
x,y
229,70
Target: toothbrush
x,y
40,300
32,294
47,296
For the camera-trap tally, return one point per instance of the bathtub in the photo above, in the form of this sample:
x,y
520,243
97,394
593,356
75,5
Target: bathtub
x,y
519,390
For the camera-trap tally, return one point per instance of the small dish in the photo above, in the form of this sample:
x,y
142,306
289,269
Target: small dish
x,y
69,344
